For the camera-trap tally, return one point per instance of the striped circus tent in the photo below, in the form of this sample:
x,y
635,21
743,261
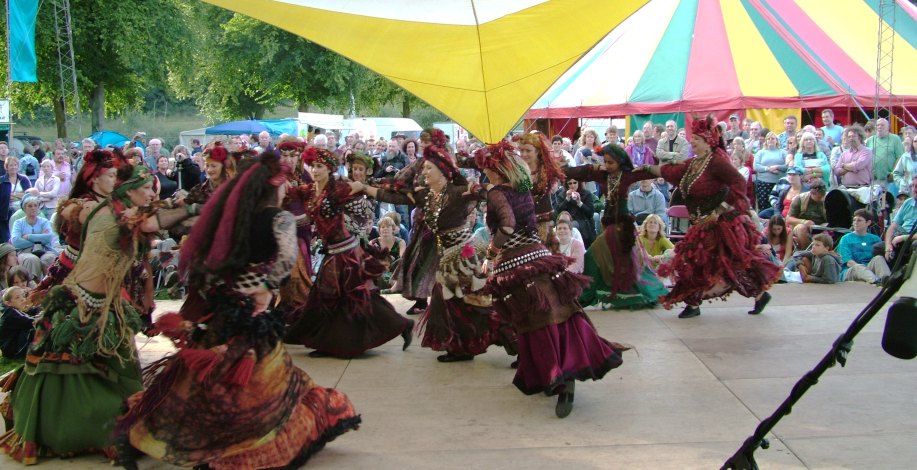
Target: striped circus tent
x,y
481,62
708,55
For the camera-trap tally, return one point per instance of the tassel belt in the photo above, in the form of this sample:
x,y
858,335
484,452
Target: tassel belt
x,y
506,265
341,247
453,237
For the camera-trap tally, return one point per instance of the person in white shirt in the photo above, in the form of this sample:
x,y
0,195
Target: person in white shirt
x,y
48,187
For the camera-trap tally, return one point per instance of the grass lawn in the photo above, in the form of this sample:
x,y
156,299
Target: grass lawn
x,y
7,365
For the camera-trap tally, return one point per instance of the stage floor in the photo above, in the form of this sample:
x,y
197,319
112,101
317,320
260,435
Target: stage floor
x,y
687,396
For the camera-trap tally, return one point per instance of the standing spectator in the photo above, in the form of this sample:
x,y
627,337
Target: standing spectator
x,y
563,157
747,159
649,136
640,152
48,187
906,168
87,145
646,200
813,161
789,130
753,142
854,167
410,150
196,146
587,141
770,166
672,148
62,172
39,150
856,251
187,173
4,151
29,164
393,160
163,173
833,132
820,141
265,142
152,154
734,129
580,204
13,187
886,148
611,136
569,246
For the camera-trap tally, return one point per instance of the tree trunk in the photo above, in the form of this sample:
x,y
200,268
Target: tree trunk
x,y
60,117
405,105
97,107
302,107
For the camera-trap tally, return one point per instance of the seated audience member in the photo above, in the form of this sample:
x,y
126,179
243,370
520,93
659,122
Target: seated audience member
x,y
20,277
777,240
856,250
901,225
569,246
784,191
389,248
400,230
8,260
806,211
821,265
569,218
579,203
33,233
646,200
16,326
652,236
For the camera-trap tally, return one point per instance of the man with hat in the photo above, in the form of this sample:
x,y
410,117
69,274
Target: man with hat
x,y
735,129
806,212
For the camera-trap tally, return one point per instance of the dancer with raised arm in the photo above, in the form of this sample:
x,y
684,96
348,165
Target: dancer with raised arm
x,y
345,315
719,253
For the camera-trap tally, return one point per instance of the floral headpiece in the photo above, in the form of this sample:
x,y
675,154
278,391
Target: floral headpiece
x,y
291,144
503,159
439,157
491,156
708,129
217,153
97,161
314,155
360,158
140,176
434,136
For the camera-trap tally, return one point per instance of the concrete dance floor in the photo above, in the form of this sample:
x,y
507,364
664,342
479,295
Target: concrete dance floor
x,y
686,397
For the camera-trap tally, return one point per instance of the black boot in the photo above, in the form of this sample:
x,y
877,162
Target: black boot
x,y
127,454
565,400
450,357
690,311
408,335
760,304
419,307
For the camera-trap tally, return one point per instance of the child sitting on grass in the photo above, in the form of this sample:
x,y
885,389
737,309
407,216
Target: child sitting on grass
x,y
16,326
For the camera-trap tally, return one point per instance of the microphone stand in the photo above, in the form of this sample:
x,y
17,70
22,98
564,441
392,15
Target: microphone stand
x,y
744,458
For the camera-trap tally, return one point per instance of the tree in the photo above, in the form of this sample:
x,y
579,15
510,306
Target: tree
x,y
121,48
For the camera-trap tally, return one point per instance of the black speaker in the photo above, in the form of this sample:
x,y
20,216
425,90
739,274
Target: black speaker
x,y
900,336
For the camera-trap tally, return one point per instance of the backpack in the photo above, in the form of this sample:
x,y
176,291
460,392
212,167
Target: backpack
x,y
30,170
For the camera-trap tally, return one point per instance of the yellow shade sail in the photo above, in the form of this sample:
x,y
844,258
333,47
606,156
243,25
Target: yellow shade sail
x,y
481,62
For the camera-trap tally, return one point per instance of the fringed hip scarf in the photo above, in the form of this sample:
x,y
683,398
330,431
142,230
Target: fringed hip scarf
x,y
459,271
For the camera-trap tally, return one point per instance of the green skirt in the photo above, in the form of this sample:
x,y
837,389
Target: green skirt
x,y
61,404
598,264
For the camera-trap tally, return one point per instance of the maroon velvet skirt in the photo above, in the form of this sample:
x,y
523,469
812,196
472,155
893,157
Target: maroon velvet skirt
x,y
345,315
572,350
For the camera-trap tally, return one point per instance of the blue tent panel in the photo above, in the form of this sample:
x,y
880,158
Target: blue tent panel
x,y
237,128
106,138
282,126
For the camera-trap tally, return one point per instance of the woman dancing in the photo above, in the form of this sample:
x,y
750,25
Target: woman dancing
x,y
345,314
620,269
295,293
532,287
459,320
546,174
82,363
230,398
95,182
719,253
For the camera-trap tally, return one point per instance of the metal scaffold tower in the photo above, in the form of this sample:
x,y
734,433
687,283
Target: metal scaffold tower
x,y
885,59
66,64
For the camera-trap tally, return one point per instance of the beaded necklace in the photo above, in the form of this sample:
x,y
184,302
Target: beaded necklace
x,y
612,183
695,169
432,208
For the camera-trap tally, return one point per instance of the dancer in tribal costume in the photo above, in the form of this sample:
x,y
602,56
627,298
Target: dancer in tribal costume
x,y
231,398
618,265
345,314
537,153
459,319
533,289
719,253
294,294
82,363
